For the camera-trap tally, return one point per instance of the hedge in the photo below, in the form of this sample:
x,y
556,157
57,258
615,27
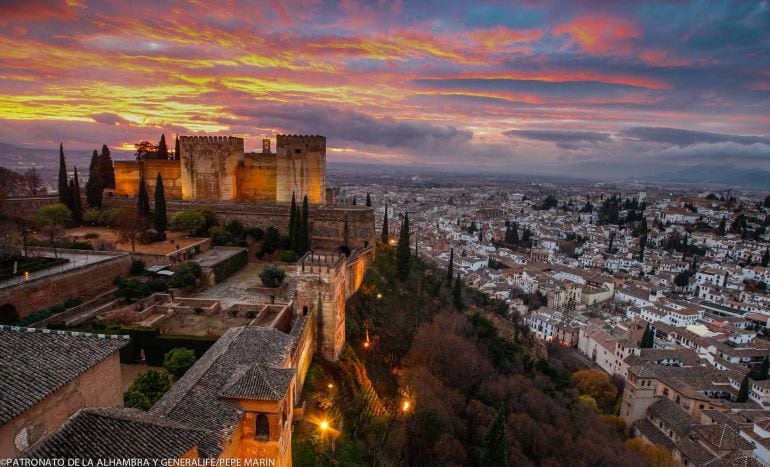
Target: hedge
x,y
230,266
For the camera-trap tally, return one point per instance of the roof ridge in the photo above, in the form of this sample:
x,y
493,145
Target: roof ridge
x,y
8,327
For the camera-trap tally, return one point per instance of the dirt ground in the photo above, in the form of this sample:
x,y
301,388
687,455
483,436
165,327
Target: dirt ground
x,y
168,246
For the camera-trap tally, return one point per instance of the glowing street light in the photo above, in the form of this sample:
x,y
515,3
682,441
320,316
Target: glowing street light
x,y
405,406
379,296
324,425
330,386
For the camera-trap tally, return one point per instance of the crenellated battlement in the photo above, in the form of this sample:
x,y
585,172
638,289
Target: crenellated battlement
x,y
299,139
212,141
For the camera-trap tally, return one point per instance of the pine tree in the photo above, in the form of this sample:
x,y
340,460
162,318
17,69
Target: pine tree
x,y
743,392
94,185
293,223
457,294
450,266
77,203
64,197
105,166
368,200
161,218
495,446
143,201
177,154
403,254
385,231
162,148
648,338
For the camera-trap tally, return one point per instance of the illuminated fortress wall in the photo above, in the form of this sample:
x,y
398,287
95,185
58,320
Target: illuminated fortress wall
x,y
215,168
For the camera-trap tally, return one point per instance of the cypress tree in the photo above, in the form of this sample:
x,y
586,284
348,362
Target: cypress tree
x,y
77,203
457,294
105,166
385,229
177,153
766,258
161,218
648,338
642,244
743,393
293,223
760,371
64,197
162,148
495,445
450,266
303,244
402,253
143,200
354,201
94,185
368,200
345,232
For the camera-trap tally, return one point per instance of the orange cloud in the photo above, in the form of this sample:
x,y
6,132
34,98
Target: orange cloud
x,y
601,35
500,37
662,58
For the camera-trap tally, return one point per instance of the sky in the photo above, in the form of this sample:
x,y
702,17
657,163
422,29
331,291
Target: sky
x,y
573,87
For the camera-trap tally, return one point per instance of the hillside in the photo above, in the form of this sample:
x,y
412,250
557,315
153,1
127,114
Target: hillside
x,y
473,396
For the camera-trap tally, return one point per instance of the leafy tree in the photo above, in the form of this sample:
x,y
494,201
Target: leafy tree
x,y
52,220
450,266
403,254
549,202
190,221
34,182
146,150
185,274
162,148
146,390
648,338
132,289
654,455
457,294
682,280
106,168
143,200
94,186
77,202
743,392
597,384
161,218
91,216
495,447
385,230
368,200
64,197
177,361
137,267
272,276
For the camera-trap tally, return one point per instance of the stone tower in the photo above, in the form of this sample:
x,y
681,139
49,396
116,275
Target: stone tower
x,y
301,168
208,167
321,290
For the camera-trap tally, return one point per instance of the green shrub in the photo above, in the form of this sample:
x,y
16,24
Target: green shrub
x,y
272,276
288,256
190,221
185,274
178,361
91,236
137,267
132,289
146,389
157,285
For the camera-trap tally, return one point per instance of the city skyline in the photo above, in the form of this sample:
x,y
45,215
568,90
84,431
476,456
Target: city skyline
x,y
583,88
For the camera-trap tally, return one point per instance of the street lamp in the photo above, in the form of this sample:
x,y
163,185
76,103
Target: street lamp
x,y
405,406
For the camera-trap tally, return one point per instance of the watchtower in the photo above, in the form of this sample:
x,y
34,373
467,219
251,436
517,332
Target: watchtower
x,y
301,168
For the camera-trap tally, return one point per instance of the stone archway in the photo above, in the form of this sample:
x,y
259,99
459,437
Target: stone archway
x,y
8,314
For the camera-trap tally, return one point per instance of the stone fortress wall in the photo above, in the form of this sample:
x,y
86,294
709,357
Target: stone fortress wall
x,y
215,168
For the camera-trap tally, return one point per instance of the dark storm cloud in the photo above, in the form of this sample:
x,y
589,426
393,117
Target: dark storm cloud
x,y
678,137
563,138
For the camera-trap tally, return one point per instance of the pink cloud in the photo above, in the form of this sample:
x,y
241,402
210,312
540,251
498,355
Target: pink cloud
x,y
601,35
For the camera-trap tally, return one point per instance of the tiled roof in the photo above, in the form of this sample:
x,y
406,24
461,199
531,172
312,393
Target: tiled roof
x,y
119,433
34,363
259,382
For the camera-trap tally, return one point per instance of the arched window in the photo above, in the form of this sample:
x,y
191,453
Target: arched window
x,y
304,311
262,428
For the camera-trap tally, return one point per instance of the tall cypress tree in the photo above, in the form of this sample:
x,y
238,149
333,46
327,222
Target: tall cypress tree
x,y
642,245
385,230
304,229
345,232
161,219
495,445
94,184
64,197
403,254
162,148
293,223
105,165
743,392
143,200
77,203
766,258
450,267
761,371
648,338
368,200
177,153
457,294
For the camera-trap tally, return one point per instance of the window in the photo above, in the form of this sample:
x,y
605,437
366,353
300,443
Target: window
x,y
262,428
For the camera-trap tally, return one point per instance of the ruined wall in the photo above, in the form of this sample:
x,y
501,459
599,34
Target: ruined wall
x,y
301,168
84,282
100,386
257,178
209,165
127,175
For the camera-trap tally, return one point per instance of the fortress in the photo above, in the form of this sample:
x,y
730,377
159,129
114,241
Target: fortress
x,y
215,168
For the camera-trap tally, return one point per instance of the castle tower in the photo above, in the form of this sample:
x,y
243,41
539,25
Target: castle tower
x,y
208,167
265,145
301,168
321,291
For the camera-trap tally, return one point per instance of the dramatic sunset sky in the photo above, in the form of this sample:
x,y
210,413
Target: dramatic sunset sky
x,y
562,87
